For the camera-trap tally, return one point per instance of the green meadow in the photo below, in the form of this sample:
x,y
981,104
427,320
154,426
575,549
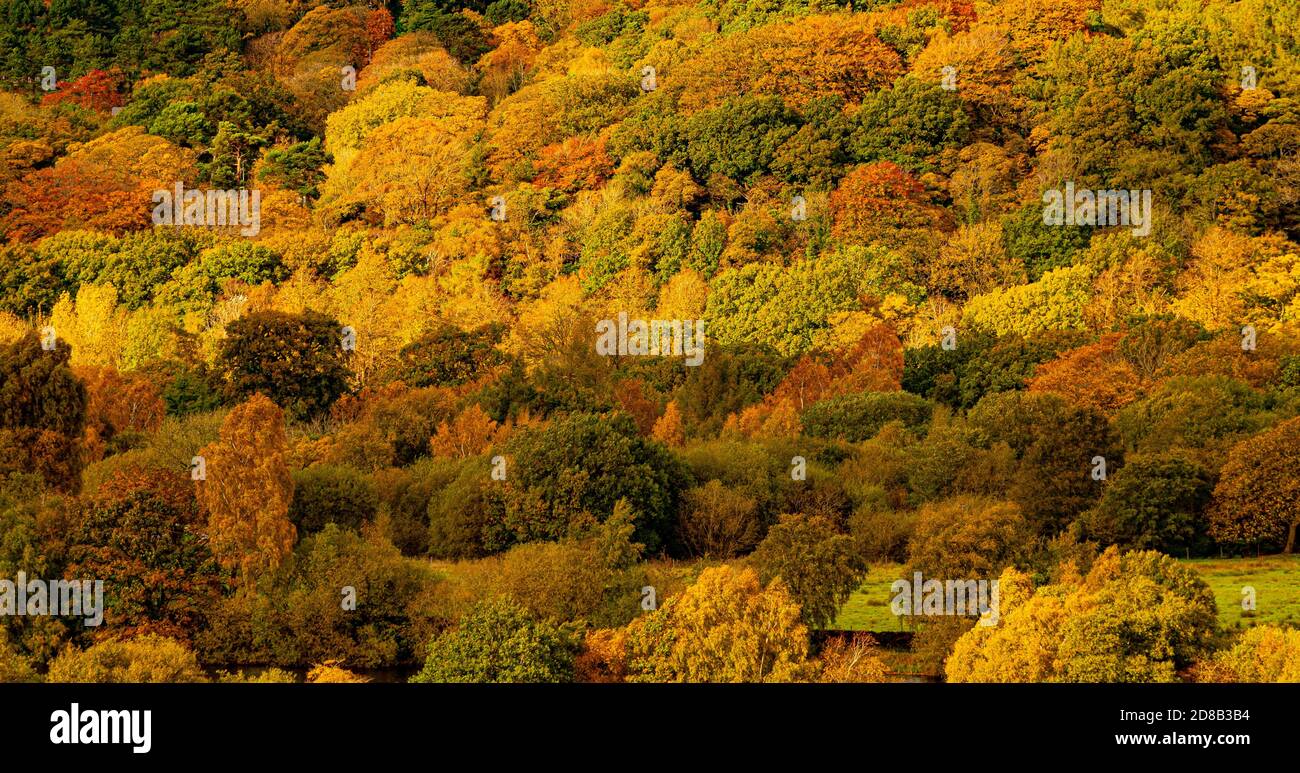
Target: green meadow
x,y
1275,579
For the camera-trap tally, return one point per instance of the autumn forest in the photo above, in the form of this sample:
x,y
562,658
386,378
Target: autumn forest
x,y
649,341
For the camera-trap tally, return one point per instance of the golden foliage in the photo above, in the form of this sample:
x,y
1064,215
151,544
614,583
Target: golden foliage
x,y
330,672
1095,375
724,628
669,429
248,489
856,660
471,433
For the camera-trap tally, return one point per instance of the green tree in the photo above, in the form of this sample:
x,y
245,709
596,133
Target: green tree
x,y
449,356
296,359
1056,445
248,262
860,416
738,139
232,153
730,379
326,493
1193,412
42,412
297,167
1055,481
1040,247
584,463
499,641
340,595
909,124
820,566
1153,502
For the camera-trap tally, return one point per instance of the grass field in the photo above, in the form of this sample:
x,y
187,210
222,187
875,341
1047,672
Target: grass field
x,y
1276,580
868,608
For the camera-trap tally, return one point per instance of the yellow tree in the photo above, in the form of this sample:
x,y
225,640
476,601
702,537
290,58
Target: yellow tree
x,y
347,129
983,62
674,189
11,328
668,429
248,489
781,422
856,660
521,125
1209,291
1275,284
1033,26
1134,617
418,50
134,157
725,628
547,324
983,183
1026,654
152,333
330,672
972,261
817,56
361,296
1265,653
145,659
93,325
1054,302
463,296
684,296
812,57
470,433
408,171
515,47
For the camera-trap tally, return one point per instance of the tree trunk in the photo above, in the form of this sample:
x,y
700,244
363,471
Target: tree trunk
x,y
1290,538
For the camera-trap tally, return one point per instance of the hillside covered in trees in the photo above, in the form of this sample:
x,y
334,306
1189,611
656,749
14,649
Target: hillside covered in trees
x,y
330,335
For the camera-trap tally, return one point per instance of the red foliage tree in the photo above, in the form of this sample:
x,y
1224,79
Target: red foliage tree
x,y
99,90
875,199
